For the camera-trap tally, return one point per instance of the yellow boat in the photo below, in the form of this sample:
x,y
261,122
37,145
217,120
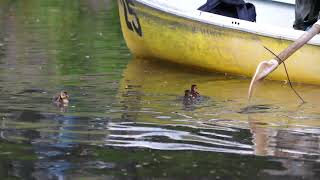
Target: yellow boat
x,y
175,31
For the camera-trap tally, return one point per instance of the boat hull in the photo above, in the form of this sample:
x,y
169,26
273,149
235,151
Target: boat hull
x,y
157,34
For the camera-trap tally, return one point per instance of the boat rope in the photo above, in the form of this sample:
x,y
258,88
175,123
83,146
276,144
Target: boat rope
x,y
285,68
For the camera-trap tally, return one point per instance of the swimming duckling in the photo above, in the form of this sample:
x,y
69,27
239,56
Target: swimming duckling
x,y
187,99
62,98
194,93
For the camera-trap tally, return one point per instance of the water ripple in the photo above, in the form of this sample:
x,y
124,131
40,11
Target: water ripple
x,y
138,135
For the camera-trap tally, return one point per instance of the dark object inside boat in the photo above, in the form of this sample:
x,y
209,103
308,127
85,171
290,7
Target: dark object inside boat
x,y
306,13
231,8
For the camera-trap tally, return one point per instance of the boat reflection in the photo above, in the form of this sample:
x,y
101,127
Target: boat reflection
x,y
149,118
279,126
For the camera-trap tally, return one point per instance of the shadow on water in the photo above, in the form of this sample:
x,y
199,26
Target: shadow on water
x,y
262,108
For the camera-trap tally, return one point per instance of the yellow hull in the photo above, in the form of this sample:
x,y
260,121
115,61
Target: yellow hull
x,y
153,33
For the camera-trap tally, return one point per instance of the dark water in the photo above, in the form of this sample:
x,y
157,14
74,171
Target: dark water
x,y
126,119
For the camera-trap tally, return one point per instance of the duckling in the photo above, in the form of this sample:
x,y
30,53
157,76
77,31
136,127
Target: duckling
x,y
194,93
187,97
62,98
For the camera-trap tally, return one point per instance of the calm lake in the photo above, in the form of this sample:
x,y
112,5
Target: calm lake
x,y
126,118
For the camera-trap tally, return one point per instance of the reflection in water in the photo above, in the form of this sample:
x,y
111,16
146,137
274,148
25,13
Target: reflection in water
x,y
261,108
129,121
274,129
148,124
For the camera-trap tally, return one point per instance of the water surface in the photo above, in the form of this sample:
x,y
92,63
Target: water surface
x,y
126,118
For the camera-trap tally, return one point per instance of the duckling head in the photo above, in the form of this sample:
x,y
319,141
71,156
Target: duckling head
x,y
64,97
187,93
194,88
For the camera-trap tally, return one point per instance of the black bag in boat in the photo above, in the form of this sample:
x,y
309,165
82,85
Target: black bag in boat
x,y
306,13
231,8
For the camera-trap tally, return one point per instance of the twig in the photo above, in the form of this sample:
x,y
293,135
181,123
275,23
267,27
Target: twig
x,y
285,68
